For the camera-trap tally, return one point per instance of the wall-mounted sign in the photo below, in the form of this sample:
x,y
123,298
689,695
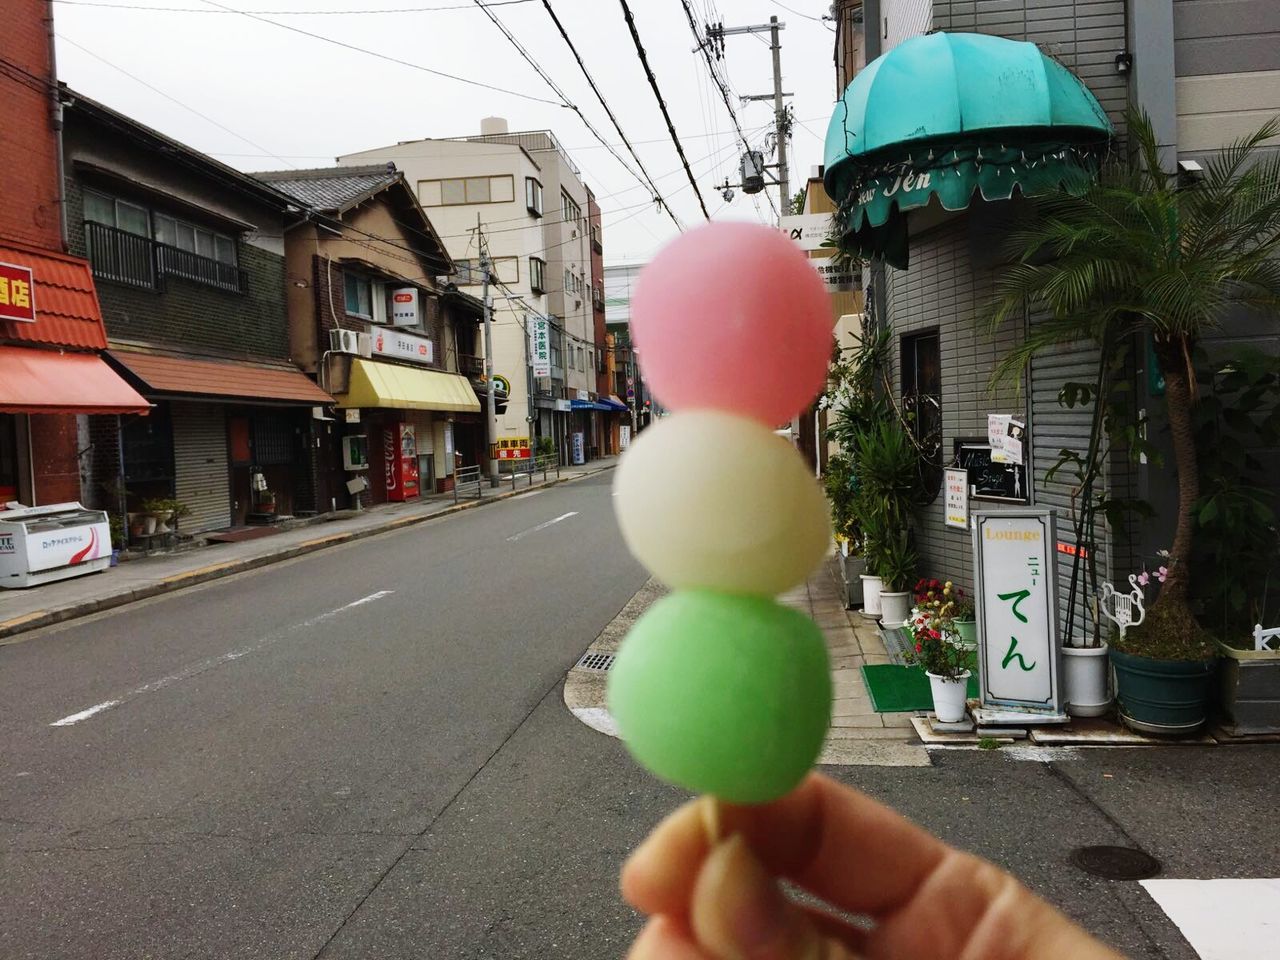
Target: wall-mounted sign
x,y
1018,653
404,307
840,274
353,415
989,480
1005,436
563,406
956,486
540,346
514,448
17,293
503,384
398,345
583,395
809,231
624,436
579,446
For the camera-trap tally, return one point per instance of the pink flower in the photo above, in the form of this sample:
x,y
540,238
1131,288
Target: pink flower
x,y
1162,573
1143,579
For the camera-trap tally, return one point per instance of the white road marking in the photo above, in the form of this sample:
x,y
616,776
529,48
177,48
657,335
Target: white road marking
x,y
542,526
84,714
1222,919
197,668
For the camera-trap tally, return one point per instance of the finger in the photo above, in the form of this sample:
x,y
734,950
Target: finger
x,y
829,839
662,940
739,913
988,914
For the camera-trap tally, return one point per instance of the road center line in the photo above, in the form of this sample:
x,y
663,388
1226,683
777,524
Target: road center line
x,y
197,668
542,526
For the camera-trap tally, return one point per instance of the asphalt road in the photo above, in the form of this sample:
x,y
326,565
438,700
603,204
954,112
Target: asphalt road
x,y
364,754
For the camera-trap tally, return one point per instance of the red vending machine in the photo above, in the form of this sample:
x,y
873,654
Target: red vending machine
x,y
401,462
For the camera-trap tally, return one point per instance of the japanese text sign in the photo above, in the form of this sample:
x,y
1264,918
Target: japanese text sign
x,y
17,293
956,486
1019,658
540,346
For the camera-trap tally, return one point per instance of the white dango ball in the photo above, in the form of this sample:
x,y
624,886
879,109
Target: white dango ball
x,y
715,501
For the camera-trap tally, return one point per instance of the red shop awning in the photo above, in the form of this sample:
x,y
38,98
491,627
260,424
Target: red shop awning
x,y
43,381
227,380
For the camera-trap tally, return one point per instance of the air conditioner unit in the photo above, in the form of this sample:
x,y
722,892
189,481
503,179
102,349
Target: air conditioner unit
x,y
364,344
344,341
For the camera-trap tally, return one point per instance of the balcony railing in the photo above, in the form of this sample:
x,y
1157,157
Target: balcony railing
x,y
128,258
469,365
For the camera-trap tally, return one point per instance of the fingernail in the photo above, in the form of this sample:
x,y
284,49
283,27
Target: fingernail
x,y
750,912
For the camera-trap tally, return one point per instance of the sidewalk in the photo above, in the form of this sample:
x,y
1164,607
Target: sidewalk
x,y
30,609
858,735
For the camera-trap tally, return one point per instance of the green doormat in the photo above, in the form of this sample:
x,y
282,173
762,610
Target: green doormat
x,y
896,689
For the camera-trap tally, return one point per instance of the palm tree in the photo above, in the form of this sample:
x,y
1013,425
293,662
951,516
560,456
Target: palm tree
x,y
1145,251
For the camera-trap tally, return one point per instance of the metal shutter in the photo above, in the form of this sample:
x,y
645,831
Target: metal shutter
x,y
201,474
1054,428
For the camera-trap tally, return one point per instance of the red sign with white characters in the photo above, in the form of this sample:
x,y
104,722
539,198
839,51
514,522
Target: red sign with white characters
x,y
17,293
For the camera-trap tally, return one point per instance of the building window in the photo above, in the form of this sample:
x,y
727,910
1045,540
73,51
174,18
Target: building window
x,y
359,292
557,360
196,253
595,239
456,191
533,196
118,239
537,275
922,403
569,208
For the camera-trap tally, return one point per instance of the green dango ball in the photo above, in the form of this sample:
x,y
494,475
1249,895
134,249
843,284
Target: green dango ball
x,y
723,694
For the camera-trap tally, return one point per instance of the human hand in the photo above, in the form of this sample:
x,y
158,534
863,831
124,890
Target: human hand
x,y
926,900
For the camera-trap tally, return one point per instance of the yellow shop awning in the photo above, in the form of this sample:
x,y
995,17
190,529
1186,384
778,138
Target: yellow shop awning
x,y
395,387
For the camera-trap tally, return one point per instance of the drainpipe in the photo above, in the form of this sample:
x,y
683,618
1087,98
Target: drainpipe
x,y
55,116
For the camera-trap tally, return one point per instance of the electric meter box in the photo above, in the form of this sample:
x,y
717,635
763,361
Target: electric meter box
x,y
355,452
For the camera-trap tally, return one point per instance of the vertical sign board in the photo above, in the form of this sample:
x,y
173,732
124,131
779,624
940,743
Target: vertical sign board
x,y
540,346
1017,611
956,485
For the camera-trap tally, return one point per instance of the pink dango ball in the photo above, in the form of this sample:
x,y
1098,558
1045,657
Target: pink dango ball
x,y
733,317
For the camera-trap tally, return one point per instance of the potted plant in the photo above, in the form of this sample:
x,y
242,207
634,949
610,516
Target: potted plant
x,y
117,536
839,483
1150,253
1163,665
946,665
896,564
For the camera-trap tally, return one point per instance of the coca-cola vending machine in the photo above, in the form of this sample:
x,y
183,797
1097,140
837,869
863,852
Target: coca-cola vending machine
x,y
400,461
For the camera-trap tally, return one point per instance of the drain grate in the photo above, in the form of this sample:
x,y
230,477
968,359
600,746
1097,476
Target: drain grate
x,y
1115,863
595,661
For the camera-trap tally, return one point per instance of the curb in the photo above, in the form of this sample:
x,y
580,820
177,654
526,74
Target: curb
x,y
45,618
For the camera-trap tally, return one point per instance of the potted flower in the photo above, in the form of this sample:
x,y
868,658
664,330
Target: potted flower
x,y
946,665
1163,666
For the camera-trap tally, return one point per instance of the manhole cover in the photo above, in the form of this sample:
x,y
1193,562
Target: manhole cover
x,y
596,661
1115,863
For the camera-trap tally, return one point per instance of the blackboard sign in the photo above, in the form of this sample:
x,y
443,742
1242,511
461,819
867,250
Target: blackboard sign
x,y
988,480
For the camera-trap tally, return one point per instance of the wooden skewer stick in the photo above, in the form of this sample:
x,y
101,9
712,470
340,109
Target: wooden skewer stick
x,y
712,820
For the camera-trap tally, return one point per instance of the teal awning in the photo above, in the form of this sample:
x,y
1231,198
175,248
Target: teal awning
x,y
951,115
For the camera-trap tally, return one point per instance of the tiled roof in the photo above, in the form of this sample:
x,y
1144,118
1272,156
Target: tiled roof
x,y
67,312
184,376
332,189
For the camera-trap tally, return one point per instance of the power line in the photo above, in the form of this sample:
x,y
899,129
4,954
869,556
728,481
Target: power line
x,y
720,84
662,104
599,96
172,99
289,13
807,16
568,103
380,56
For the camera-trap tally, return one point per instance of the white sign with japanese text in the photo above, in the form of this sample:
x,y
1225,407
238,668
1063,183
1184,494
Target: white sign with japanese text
x,y
402,346
809,231
540,346
956,485
1018,654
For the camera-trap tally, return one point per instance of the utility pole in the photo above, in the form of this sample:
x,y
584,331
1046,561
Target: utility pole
x,y
782,123
491,401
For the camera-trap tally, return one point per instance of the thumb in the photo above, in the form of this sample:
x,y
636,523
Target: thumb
x,y
738,912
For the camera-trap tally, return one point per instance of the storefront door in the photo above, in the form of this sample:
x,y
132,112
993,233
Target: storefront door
x,y
9,472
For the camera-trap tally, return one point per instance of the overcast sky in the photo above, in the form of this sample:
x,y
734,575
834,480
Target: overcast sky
x,y
258,96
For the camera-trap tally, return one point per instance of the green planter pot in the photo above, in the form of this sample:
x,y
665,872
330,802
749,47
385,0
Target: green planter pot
x,y
1164,697
967,631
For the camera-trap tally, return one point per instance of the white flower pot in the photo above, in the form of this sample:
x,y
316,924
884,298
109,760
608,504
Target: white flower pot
x,y
1085,675
871,596
895,608
949,697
